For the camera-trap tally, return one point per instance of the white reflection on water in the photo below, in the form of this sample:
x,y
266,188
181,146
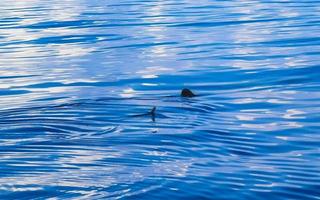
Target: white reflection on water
x,y
245,117
77,170
159,33
27,50
129,92
292,114
19,52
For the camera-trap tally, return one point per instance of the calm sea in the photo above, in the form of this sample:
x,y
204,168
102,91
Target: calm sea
x,y
78,78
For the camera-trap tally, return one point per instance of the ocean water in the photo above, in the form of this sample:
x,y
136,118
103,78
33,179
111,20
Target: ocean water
x,y
78,77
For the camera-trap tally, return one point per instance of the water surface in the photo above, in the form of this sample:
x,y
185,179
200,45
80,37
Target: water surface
x,y
75,77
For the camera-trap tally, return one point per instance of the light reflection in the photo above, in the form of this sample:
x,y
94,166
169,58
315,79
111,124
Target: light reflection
x,y
292,114
158,32
86,157
245,117
273,126
129,92
153,72
149,84
277,101
293,125
71,50
19,37
149,76
156,153
247,33
31,50
282,137
21,189
245,100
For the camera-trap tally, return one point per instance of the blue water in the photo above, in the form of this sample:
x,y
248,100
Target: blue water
x,y
77,76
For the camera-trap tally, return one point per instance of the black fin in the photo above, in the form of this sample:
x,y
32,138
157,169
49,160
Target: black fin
x,y
153,110
153,113
187,93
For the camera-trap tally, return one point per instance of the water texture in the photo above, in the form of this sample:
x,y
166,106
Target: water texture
x,y
76,77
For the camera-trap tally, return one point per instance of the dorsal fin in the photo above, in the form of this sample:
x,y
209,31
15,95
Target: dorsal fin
x,y
187,93
153,110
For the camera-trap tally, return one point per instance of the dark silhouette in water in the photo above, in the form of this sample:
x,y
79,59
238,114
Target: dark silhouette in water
x,y
184,93
151,113
153,110
187,93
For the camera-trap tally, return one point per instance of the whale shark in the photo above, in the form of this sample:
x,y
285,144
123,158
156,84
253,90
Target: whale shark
x,y
152,113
